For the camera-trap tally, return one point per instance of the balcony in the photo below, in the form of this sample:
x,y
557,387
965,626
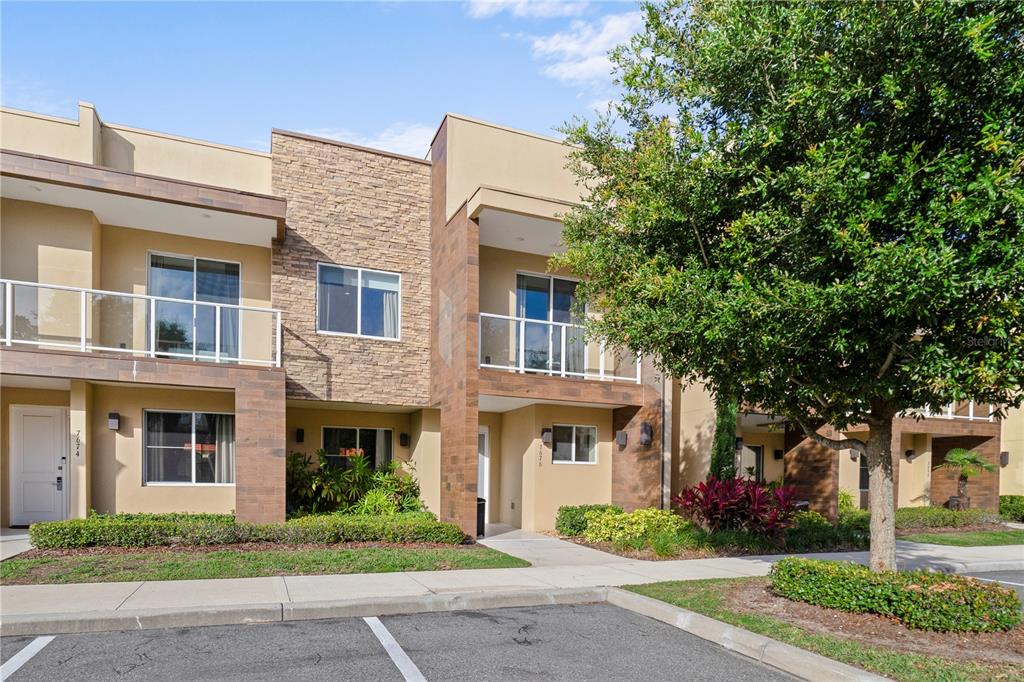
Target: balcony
x,y
61,317
965,409
529,346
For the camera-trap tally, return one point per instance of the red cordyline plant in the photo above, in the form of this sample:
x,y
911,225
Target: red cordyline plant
x,y
738,504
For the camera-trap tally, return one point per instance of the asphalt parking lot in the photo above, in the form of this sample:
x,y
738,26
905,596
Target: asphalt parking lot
x,y
571,642
1014,579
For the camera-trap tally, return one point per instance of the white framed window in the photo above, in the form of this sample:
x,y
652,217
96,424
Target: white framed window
x,y
572,444
358,301
341,441
188,448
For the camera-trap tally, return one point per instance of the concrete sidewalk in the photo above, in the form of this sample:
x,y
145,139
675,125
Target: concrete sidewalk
x,y
559,567
13,541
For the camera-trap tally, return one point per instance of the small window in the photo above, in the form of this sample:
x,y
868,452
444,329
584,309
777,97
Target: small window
x,y
342,442
573,444
357,301
189,448
863,472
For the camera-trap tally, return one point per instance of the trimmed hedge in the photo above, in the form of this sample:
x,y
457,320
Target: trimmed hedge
x,y
131,531
571,520
940,517
637,527
919,599
1011,507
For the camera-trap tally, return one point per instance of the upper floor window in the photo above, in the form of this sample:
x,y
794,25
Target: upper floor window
x,y
358,301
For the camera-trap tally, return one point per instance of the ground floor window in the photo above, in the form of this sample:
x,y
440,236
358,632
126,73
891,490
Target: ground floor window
x,y
189,447
341,442
571,443
863,472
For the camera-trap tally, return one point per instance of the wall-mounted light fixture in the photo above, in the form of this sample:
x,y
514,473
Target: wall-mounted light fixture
x,y
403,440
545,436
300,435
113,421
854,455
739,442
910,455
621,438
646,434
1004,458
779,454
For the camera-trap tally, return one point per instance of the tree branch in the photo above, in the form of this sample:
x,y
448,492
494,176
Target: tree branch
x,y
841,444
888,361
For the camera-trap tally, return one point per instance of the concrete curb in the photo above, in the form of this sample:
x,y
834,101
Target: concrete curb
x,y
248,614
790,659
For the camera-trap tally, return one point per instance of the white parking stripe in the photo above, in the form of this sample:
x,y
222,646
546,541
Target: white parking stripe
x,y
1001,582
401,660
22,657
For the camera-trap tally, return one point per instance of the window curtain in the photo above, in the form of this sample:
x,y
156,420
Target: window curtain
x,y
154,454
383,448
575,350
224,465
390,299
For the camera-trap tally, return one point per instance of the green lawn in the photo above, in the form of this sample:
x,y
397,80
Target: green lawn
x,y
189,565
970,538
709,598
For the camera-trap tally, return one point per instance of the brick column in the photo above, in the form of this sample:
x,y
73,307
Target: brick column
x,y
260,449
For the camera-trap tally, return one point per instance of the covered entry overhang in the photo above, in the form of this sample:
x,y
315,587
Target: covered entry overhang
x,y
126,199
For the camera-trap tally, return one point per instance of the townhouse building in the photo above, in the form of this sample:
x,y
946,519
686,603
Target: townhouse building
x,y
178,315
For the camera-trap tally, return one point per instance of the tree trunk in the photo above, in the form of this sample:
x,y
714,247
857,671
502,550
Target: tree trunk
x,y
961,487
880,492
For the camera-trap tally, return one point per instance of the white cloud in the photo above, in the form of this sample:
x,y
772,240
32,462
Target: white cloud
x,y
580,54
411,139
526,9
32,96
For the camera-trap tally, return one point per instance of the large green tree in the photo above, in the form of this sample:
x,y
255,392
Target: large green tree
x,y
815,206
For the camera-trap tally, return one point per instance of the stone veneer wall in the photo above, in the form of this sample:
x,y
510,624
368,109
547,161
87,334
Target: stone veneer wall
x,y
363,208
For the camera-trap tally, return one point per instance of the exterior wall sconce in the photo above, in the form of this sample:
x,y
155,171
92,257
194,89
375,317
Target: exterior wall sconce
x,y
739,442
403,440
779,454
854,455
300,435
910,455
113,421
1004,458
545,436
646,434
621,438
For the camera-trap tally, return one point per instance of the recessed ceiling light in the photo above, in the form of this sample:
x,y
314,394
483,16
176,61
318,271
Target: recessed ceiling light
x,y
207,215
520,239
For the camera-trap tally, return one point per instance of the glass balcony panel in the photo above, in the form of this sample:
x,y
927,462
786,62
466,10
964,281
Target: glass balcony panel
x,y
117,322
174,328
498,342
622,364
536,343
46,316
248,335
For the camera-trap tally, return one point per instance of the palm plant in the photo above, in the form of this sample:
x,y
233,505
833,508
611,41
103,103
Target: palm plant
x,y
968,463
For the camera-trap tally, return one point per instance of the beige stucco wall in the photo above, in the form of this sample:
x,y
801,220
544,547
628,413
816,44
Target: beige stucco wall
x,y
498,270
125,267
773,468
915,476
89,140
312,422
80,431
62,138
849,475
425,442
486,154
1011,477
538,486
694,426
116,464
18,396
492,421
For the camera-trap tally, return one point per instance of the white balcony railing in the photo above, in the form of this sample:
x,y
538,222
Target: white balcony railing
x,y
965,409
55,316
524,345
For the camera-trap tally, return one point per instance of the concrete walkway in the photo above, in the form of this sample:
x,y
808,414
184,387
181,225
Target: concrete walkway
x,y
557,565
13,541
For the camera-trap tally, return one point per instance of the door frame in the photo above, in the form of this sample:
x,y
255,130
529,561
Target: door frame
x,y
485,490
14,492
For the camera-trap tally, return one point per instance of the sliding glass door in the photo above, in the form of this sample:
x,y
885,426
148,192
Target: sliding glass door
x,y
186,328
546,300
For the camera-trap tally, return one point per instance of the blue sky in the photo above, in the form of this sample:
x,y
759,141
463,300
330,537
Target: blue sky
x,y
379,74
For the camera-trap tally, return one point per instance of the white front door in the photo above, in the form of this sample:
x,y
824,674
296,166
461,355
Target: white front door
x,y
39,471
483,468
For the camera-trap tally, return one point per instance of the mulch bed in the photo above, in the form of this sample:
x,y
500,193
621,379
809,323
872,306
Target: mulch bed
x,y
865,628
648,554
237,547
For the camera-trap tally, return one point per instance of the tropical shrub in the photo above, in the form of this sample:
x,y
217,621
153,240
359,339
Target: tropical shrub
x,y
919,599
327,487
571,520
845,502
118,531
1011,507
635,527
738,504
376,502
